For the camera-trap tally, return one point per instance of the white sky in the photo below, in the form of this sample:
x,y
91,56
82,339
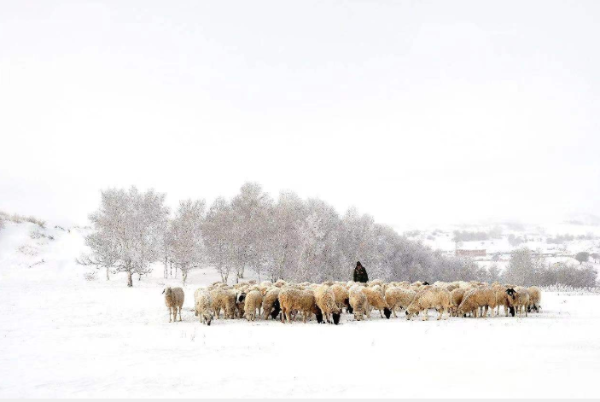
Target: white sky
x,y
416,112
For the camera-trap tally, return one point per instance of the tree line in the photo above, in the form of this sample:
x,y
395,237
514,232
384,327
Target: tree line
x,y
286,238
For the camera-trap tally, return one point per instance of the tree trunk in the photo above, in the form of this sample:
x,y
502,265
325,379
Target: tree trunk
x,y
107,277
166,268
129,279
184,275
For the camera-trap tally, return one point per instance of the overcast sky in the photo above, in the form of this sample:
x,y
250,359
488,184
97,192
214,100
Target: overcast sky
x,y
416,112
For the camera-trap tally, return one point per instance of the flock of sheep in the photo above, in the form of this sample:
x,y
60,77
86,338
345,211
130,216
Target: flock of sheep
x,y
328,300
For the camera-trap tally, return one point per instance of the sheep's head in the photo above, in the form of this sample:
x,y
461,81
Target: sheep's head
x,y
276,309
241,297
168,292
318,314
336,318
425,283
412,309
387,312
208,317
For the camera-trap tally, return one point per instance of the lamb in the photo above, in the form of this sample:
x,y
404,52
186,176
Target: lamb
x,y
342,297
203,305
429,297
358,301
325,300
376,299
535,297
398,298
174,300
252,303
301,300
271,303
478,299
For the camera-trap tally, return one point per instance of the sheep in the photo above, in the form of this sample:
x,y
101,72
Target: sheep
x,y
174,298
358,301
535,297
252,303
301,300
398,298
224,299
376,299
240,301
280,283
271,303
342,297
203,305
478,299
429,297
456,297
375,282
501,298
325,300
518,300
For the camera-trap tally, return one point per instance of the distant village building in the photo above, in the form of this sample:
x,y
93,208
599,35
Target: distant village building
x,y
470,253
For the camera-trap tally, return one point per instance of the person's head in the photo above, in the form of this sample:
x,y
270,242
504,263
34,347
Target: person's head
x,y
358,264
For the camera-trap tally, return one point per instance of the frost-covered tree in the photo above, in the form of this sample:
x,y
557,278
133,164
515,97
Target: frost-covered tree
x,y
521,268
283,248
250,209
493,273
319,236
219,237
358,239
128,230
186,244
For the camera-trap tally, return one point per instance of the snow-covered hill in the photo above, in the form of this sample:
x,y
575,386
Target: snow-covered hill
x,y
65,336
557,242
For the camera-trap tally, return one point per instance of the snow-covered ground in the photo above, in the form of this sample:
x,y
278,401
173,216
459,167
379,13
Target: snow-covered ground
x,y
63,336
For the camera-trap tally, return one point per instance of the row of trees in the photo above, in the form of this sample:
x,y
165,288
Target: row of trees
x,y
288,238
527,267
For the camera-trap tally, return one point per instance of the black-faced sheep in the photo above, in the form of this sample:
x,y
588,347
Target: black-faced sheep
x,y
291,299
271,304
342,297
398,298
535,298
325,300
376,300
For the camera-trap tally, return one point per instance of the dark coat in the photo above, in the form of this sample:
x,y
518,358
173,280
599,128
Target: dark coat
x,y
360,273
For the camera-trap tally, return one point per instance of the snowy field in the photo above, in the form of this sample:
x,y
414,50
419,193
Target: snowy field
x,y
63,336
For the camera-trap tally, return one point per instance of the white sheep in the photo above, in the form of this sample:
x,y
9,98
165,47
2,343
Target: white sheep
x,y
203,305
174,298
